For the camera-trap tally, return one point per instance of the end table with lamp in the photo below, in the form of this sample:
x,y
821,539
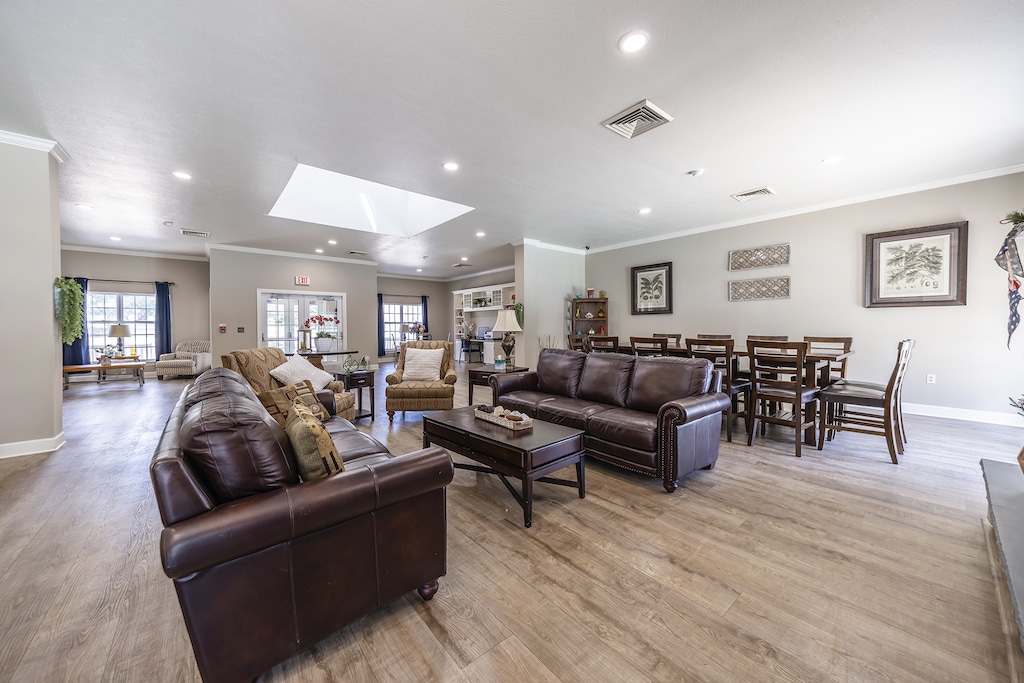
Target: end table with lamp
x,y
508,324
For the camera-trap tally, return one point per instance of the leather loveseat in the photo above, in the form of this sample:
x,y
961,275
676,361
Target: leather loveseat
x,y
660,416
265,566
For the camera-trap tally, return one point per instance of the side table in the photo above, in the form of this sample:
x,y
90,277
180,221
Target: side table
x,y
358,380
479,374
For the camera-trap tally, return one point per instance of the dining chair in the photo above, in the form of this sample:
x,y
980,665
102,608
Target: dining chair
x,y
649,346
601,344
577,342
826,345
887,398
675,340
780,382
714,336
746,373
720,353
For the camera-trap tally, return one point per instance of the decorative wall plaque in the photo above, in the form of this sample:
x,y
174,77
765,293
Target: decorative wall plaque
x,y
761,288
759,257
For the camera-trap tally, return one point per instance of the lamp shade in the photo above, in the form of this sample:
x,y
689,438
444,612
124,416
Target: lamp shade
x,y
119,331
506,321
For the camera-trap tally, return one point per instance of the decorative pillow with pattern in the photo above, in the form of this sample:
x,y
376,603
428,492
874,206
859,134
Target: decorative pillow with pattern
x,y
297,369
315,454
422,364
279,401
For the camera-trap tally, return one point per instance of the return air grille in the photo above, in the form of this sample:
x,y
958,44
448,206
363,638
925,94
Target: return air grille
x,y
355,252
638,119
194,233
753,194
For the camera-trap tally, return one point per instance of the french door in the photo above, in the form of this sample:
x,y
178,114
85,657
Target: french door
x,y
283,313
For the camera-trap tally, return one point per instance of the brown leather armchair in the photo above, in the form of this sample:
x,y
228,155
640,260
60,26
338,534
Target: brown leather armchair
x,y
265,566
255,366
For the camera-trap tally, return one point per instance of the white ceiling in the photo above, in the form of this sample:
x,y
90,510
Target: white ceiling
x,y
912,93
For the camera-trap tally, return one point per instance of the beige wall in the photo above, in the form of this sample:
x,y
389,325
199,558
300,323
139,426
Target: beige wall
x,y
29,263
235,276
549,276
190,295
964,346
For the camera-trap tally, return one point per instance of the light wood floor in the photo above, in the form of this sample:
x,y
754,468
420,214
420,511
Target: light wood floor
x,y
837,566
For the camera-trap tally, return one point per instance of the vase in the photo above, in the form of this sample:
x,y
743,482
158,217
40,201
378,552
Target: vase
x,y
323,344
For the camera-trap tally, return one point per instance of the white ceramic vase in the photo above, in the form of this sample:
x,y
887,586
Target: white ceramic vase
x,y
323,344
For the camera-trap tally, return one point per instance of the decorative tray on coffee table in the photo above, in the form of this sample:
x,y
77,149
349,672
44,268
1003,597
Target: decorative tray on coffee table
x,y
500,417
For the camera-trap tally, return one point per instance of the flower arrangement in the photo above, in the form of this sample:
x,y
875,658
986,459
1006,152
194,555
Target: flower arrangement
x,y
1018,404
320,321
107,352
417,328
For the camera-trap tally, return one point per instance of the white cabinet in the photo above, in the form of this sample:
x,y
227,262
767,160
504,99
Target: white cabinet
x,y
491,349
479,306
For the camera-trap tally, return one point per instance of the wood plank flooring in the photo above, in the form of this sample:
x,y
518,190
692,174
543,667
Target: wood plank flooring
x,y
837,566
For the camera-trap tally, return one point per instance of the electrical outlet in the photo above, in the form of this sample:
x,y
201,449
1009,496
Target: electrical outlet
x,y
929,379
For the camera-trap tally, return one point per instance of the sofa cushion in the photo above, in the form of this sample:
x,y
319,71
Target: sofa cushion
x,y
297,369
558,371
571,412
422,364
634,428
605,378
658,380
236,447
315,453
279,401
524,401
218,382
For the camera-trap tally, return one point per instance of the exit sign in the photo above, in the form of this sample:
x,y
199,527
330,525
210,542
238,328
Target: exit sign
x,y
302,280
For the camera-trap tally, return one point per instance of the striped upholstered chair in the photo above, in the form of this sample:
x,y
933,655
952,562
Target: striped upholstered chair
x,y
191,357
434,393
255,366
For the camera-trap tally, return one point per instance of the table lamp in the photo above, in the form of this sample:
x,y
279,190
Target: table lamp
x,y
119,331
508,324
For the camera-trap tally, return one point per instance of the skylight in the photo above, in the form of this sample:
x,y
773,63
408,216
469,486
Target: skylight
x,y
315,195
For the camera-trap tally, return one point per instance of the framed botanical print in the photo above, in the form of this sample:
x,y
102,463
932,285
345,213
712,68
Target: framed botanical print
x,y
651,288
916,267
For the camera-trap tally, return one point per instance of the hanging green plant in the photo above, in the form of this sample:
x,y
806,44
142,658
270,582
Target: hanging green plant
x,y
68,300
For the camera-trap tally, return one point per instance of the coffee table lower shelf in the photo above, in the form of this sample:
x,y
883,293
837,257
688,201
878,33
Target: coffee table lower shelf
x,y
509,453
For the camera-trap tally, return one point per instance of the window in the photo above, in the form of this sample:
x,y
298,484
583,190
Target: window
x,y
396,315
137,311
283,313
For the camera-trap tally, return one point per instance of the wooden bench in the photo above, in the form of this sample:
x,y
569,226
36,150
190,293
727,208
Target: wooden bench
x,y
138,369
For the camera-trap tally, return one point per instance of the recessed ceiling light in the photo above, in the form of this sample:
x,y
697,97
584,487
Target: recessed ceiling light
x,y
84,206
319,251
481,234
115,238
451,166
644,211
182,175
332,241
419,270
464,258
832,160
168,224
633,41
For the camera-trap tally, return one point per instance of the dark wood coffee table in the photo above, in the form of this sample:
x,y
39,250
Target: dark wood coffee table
x,y
528,455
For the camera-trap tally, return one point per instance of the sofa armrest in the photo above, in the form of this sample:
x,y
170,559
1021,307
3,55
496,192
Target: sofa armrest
x,y
394,378
326,398
168,356
450,377
507,383
204,361
695,407
251,524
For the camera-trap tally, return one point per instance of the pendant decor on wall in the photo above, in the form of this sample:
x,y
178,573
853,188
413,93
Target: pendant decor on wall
x,y
759,257
761,288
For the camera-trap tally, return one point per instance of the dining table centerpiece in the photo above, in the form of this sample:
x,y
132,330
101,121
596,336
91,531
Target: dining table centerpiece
x,y
322,339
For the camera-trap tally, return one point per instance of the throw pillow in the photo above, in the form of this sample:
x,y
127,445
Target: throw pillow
x,y
422,364
315,454
297,369
279,401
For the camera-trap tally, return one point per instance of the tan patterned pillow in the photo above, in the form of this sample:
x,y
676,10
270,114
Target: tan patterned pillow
x,y
279,401
315,454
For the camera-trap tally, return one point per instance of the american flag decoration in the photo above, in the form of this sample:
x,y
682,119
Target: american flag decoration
x,y
1009,260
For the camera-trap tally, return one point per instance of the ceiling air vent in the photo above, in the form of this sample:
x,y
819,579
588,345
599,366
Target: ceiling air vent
x,y
194,233
358,253
462,265
753,194
639,118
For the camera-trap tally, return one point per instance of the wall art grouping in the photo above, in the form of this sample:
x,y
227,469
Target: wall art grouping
x,y
759,289
759,257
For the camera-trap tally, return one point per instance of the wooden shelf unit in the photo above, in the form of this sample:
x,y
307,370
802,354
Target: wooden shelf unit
x,y
598,310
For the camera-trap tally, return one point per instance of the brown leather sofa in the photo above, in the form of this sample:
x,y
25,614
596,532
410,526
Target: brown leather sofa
x,y
265,566
660,416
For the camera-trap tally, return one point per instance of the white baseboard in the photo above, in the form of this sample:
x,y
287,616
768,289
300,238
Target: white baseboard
x,y
988,417
19,448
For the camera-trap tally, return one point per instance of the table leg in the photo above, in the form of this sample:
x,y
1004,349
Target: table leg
x,y
527,502
471,392
580,471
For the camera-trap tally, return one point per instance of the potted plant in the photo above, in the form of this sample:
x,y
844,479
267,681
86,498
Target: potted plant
x,y
69,302
322,339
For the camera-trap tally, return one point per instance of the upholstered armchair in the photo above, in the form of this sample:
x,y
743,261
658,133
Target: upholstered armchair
x,y
255,366
190,357
417,383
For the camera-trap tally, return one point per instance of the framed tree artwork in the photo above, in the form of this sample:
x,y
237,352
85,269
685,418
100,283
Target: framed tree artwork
x,y
651,288
916,267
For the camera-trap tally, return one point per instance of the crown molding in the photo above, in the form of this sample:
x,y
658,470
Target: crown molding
x,y
289,254
51,147
126,252
483,272
553,247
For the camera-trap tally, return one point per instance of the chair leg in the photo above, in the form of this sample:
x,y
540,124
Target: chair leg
x,y
391,415
728,423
